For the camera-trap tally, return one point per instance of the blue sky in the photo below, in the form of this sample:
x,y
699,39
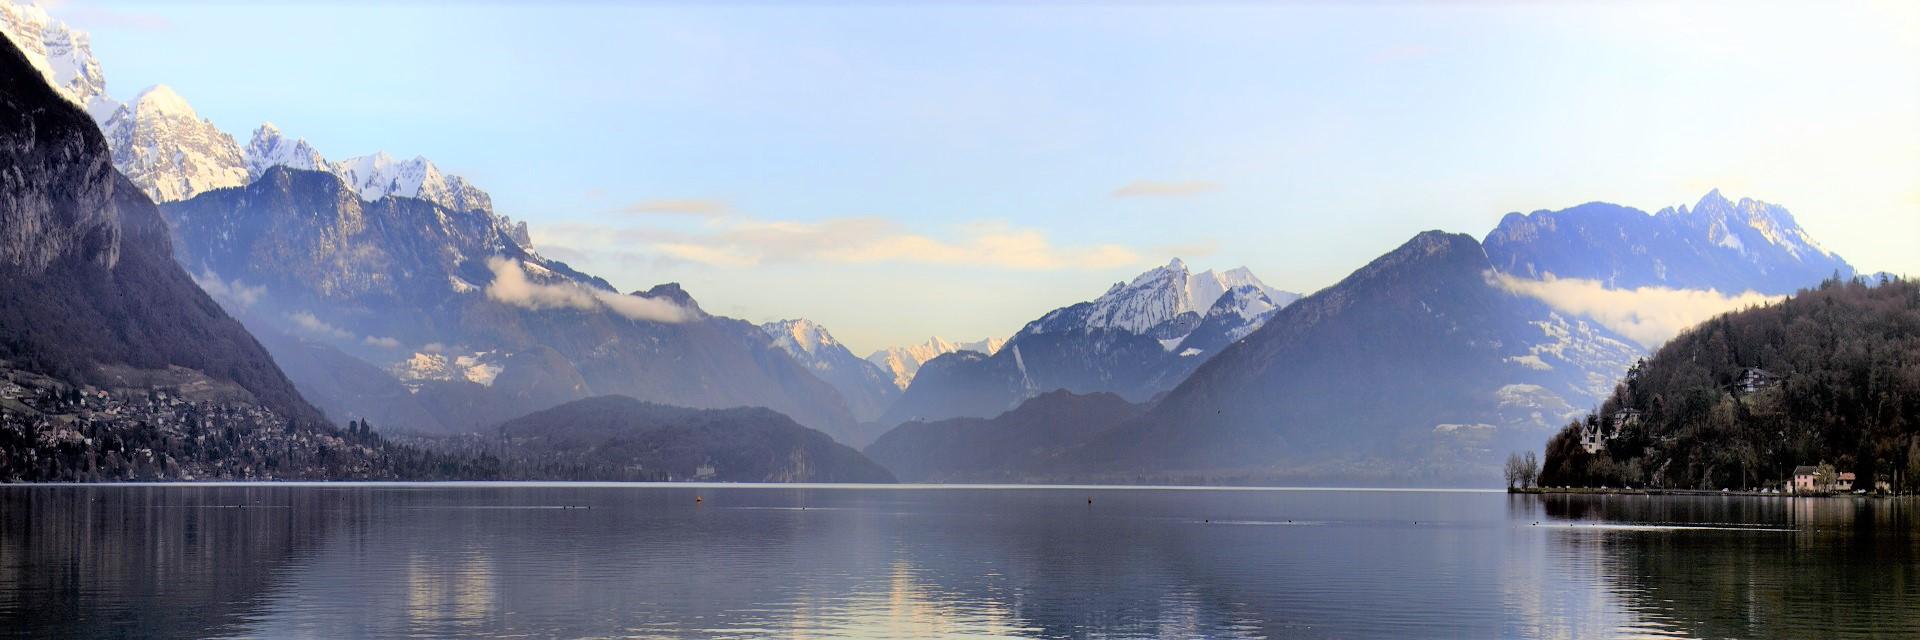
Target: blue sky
x,y
900,171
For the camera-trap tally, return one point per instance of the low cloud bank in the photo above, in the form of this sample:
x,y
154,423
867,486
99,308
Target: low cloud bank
x,y
512,286
233,293
1648,315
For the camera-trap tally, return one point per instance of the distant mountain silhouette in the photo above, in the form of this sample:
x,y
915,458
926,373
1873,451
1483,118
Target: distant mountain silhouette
x,y
1024,443
735,445
1718,244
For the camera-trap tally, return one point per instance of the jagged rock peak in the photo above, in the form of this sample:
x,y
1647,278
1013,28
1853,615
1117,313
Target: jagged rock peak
x,y
270,148
168,150
64,56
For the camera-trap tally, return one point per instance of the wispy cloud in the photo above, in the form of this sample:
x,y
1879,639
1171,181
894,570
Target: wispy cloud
x,y
512,286
309,323
382,341
1648,315
232,293
740,242
680,206
1160,189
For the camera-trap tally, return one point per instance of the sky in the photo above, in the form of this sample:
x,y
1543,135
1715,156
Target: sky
x,y
899,171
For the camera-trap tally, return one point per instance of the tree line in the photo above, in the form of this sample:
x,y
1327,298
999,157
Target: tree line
x,y
1830,375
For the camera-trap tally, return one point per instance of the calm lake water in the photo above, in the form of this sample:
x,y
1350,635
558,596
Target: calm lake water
x,y
547,560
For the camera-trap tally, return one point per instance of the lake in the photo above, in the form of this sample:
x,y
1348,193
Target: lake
x,y
568,560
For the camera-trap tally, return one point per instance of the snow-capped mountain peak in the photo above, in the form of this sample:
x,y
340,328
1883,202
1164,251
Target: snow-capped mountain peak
x,y
62,54
799,336
168,150
1165,293
270,148
379,175
903,363
1749,226
161,100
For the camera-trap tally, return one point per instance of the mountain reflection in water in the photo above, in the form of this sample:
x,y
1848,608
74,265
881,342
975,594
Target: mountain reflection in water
x,y
573,560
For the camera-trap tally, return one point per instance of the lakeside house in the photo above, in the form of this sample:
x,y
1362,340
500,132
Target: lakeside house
x,y
1806,479
1803,479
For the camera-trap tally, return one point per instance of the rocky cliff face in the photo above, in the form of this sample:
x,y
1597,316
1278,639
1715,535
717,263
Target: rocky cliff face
x,y
61,54
90,289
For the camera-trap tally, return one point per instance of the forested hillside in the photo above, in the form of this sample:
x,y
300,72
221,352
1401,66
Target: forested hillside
x,y
1829,375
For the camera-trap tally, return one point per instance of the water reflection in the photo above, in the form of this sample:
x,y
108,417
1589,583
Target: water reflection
x,y
389,561
1767,567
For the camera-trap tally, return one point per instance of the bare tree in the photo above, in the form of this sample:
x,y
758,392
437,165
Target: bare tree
x,y
1530,470
1515,470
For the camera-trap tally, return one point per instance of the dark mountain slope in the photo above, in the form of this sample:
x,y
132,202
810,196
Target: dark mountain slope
x,y
1400,373
90,277
1023,443
747,444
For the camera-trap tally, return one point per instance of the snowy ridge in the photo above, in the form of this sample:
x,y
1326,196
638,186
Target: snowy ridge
x,y
1169,303
1160,296
802,338
168,150
269,149
902,363
1739,225
380,175
63,55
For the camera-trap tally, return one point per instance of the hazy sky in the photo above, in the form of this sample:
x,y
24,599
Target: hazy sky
x,y
895,172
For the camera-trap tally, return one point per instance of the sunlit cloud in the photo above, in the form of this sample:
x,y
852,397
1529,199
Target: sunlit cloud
x,y
740,242
1158,189
512,286
684,207
1648,315
311,324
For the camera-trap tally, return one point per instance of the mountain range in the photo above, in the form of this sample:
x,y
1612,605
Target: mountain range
x,y
390,292
903,363
405,279
1718,244
1139,338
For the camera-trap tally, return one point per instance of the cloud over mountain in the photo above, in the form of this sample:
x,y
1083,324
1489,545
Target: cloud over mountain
x,y
512,286
1648,315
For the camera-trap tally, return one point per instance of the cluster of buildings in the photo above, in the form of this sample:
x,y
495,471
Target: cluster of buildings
x,y
1806,479
52,430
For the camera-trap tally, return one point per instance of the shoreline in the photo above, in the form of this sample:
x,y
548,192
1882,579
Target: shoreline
x,y
1609,491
